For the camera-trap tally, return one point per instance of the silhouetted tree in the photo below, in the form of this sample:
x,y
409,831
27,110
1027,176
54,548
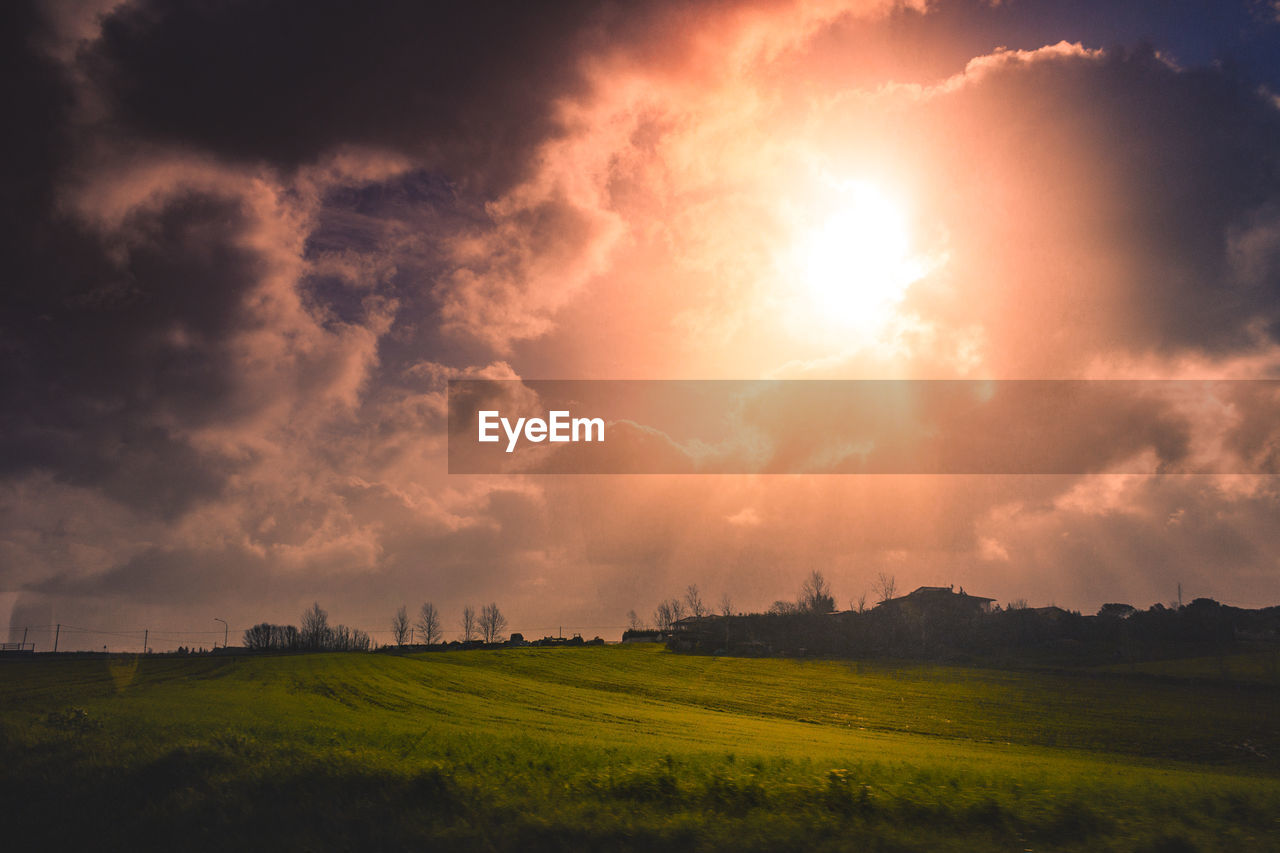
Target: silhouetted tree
x,y
259,637
633,621
886,587
344,639
662,616
400,626
726,610
693,598
1118,610
468,623
815,594
782,608
315,628
492,623
429,624
667,613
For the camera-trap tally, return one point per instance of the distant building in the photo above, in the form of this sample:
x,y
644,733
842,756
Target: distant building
x,y
694,632
938,599
694,623
575,640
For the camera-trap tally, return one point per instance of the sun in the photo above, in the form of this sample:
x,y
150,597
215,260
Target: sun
x,y
855,263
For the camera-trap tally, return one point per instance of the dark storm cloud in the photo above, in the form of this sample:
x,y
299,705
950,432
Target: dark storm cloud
x,y
79,331
37,98
1107,202
121,338
69,320
161,574
1240,34
110,358
1196,165
447,83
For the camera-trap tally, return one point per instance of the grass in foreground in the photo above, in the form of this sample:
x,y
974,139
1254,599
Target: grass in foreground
x,y
627,748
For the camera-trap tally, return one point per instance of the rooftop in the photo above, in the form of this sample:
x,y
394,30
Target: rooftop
x,y
938,593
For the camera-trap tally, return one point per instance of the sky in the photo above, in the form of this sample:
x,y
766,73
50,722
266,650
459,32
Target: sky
x,y
249,243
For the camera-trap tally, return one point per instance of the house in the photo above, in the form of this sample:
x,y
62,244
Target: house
x,y
694,623
938,600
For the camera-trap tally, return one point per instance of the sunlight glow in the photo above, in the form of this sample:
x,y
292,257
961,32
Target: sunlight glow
x,y
857,264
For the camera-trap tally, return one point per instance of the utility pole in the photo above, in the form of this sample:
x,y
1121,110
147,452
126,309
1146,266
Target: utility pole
x,y
56,634
1179,596
146,632
224,631
24,638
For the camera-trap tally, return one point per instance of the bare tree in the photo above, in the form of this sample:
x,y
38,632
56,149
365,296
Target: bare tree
x,y
662,615
815,594
492,623
468,623
860,605
259,636
268,637
286,637
668,613
886,587
400,626
633,621
429,624
315,628
694,599
677,609
726,610
782,608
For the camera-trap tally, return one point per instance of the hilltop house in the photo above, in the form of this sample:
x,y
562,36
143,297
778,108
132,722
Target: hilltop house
x,y
938,600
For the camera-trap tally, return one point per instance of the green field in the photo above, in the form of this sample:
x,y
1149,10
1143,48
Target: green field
x,y
628,748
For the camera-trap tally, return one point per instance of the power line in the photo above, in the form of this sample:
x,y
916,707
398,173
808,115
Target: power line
x,y
143,635
67,627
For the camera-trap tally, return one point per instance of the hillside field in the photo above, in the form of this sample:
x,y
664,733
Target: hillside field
x,y
629,748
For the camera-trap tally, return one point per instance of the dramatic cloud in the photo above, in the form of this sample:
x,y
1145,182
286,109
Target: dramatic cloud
x,y
248,244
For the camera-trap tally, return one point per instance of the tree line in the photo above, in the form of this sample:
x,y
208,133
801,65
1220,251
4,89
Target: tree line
x,y
315,635
815,596
487,625
954,627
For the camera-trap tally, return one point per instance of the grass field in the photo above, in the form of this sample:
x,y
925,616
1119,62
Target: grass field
x,y
628,748
1260,666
